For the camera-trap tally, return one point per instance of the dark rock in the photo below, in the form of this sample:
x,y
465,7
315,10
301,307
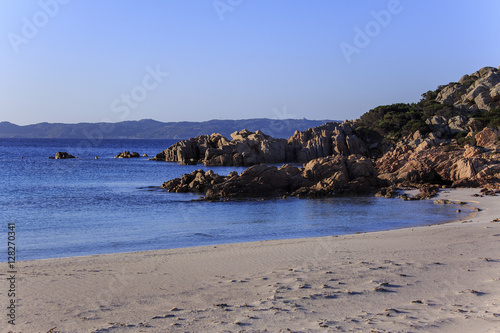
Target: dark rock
x,y
256,181
197,181
321,177
127,154
63,155
388,192
427,191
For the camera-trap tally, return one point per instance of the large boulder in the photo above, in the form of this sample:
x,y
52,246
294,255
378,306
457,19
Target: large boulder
x,y
313,142
335,175
495,92
325,140
457,124
191,151
197,181
439,126
325,167
452,93
256,181
488,138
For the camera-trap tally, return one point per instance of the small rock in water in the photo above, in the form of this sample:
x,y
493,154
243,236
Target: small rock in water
x,y
62,155
127,154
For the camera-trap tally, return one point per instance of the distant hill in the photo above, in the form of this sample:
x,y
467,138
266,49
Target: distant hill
x,y
152,129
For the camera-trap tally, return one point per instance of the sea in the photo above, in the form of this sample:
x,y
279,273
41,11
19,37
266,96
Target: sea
x,y
89,206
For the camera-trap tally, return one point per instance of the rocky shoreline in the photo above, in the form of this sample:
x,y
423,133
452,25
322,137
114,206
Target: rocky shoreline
x,y
407,164
455,146
320,177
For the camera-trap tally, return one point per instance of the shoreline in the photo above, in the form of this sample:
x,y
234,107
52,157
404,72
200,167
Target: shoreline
x,y
416,223
434,278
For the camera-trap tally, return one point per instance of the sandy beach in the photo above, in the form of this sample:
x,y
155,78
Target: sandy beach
x,y
440,278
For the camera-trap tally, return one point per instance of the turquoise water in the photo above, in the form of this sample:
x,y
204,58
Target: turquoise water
x,y
86,206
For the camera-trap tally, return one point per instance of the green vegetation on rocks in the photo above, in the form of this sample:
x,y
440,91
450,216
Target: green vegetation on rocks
x,y
474,99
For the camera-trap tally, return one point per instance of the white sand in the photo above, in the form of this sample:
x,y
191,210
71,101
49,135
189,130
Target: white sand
x,y
441,278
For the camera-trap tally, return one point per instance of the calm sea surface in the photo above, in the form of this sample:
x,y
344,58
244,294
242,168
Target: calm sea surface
x,y
86,206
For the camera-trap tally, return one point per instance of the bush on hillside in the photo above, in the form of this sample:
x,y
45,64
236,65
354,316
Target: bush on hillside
x,y
399,120
489,118
463,139
394,121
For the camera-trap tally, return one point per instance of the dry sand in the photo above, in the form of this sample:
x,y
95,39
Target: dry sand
x,y
441,278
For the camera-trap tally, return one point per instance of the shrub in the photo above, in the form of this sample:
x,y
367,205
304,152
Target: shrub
x,y
415,125
389,120
367,134
489,118
398,120
463,140
449,148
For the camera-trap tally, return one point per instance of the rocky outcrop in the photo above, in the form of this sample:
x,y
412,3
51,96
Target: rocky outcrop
x,y
127,154
256,181
419,160
443,163
250,148
320,177
62,155
245,149
443,127
479,91
325,140
193,150
197,181
422,161
335,175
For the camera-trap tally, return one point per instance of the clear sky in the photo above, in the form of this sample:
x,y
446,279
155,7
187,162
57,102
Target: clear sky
x,y
195,60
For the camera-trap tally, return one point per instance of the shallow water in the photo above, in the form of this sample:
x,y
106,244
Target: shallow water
x,y
86,206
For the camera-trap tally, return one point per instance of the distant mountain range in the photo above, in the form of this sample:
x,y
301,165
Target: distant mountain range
x,y
152,129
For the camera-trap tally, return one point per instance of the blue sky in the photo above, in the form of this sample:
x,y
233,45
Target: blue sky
x,y
89,61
